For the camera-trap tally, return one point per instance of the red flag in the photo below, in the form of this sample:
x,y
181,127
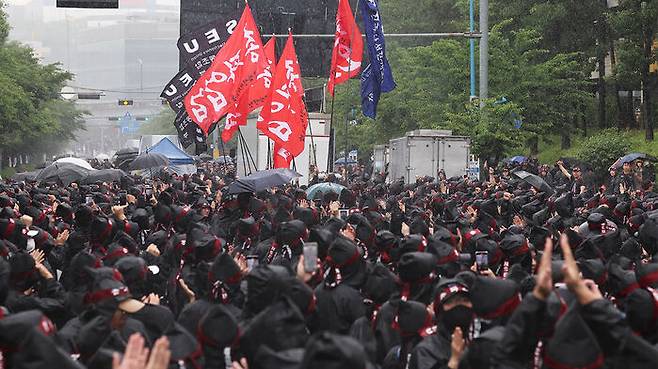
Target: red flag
x,y
230,75
282,157
284,118
255,98
348,47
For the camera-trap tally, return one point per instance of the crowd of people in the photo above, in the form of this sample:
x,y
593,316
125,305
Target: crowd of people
x,y
177,272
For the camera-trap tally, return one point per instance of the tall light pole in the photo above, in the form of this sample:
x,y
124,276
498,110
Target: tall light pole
x,y
141,74
471,41
484,51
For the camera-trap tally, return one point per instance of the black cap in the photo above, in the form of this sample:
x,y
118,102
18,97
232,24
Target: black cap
x,y
381,283
494,298
327,350
647,275
573,344
413,319
416,266
218,328
280,327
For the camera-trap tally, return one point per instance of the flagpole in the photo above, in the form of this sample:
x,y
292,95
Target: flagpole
x,y
250,158
332,141
244,163
269,154
349,62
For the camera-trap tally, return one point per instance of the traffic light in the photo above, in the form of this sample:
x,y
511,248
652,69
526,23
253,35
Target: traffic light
x,y
89,96
125,102
103,4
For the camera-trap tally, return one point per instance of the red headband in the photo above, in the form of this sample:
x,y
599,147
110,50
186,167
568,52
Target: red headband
x,y
94,297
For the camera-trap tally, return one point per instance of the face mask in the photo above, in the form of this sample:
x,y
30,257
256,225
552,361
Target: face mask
x,y
459,316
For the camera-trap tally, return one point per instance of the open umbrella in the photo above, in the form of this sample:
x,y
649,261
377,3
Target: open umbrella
x,y
62,172
323,187
25,176
342,161
205,157
104,175
535,181
518,159
128,151
148,161
77,161
263,180
629,158
224,160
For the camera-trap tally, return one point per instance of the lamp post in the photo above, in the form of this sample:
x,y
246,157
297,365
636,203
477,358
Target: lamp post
x,y
352,116
471,41
141,74
484,51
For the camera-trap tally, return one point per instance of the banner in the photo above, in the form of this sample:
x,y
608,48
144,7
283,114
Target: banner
x,y
347,55
281,157
231,75
187,129
206,41
377,77
256,96
284,118
179,86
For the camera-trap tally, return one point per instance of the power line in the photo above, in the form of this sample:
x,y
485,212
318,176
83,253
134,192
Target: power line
x,y
392,35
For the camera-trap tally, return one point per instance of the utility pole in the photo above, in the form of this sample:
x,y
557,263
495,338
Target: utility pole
x,y
484,51
471,28
215,143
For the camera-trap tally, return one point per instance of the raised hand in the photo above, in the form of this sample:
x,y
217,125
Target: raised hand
x,y
62,237
161,354
544,284
135,355
586,291
456,348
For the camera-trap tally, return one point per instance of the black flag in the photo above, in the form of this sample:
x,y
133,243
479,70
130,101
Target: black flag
x,y
201,45
186,128
175,91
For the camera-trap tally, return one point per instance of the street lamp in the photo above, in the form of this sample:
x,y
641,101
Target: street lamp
x,y
352,116
141,74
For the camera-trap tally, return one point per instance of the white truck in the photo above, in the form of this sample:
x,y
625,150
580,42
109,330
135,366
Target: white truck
x,y
425,152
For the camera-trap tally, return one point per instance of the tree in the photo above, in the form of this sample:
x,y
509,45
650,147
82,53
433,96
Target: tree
x,y
161,124
547,92
4,25
33,116
635,25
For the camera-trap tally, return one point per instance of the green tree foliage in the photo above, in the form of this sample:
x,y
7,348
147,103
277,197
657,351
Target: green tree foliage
x,y
4,25
33,116
161,124
635,24
602,149
546,91
542,55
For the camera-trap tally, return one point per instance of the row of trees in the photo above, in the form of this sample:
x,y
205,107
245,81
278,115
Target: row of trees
x,y
34,119
542,55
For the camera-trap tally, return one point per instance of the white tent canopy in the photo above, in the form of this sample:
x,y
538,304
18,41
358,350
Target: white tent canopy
x,y
77,161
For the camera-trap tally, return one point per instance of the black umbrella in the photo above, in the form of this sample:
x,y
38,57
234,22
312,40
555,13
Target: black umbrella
x,y
104,175
631,158
127,151
535,181
224,160
25,176
263,180
62,172
148,161
205,157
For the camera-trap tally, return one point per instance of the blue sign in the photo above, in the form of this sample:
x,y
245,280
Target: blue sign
x,y
128,124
